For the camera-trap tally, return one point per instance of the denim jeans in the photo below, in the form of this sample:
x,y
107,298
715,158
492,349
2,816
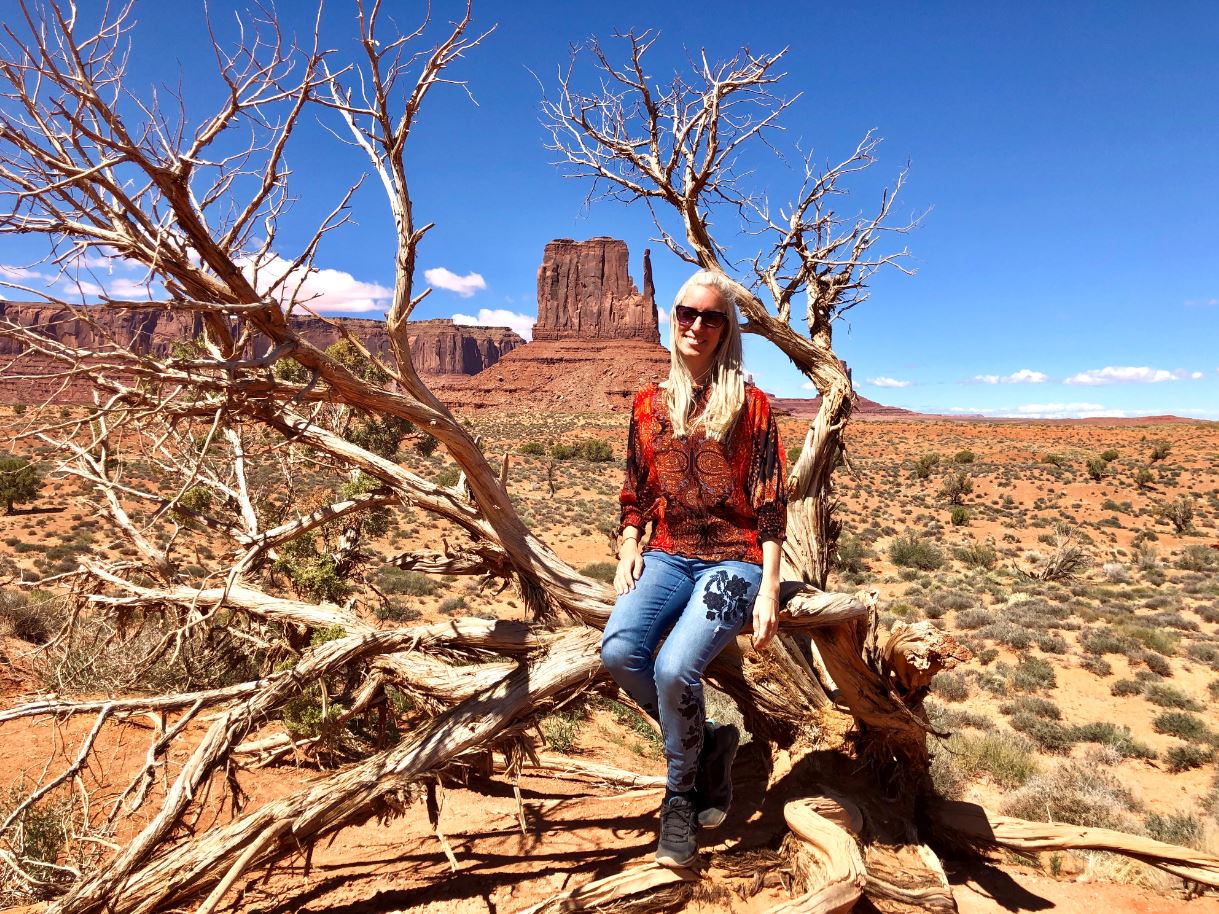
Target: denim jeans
x,y
700,605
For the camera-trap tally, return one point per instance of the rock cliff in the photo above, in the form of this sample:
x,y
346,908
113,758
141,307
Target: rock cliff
x,y
585,292
440,348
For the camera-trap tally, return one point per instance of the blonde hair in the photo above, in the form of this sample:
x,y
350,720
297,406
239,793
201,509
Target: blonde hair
x,y
727,371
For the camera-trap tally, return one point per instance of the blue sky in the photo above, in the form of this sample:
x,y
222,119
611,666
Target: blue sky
x,y
1066,155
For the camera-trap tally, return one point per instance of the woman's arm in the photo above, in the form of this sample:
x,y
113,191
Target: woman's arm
x,y
766,604
630,561
630,551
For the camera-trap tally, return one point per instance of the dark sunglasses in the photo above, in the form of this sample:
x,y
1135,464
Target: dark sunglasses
x,y
712,320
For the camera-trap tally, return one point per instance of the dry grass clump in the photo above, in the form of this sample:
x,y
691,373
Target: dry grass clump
x,y
1005,758
1078,794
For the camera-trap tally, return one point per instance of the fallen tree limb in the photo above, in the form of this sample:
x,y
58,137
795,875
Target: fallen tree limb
x,y
827,861
979,826
632,881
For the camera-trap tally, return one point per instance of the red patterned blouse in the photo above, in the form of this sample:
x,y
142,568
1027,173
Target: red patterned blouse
x,y
709,499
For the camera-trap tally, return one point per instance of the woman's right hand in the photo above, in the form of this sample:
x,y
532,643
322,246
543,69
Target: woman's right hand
x,y
630,566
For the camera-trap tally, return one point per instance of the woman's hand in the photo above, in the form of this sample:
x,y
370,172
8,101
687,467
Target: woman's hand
x,y
630,566
765,617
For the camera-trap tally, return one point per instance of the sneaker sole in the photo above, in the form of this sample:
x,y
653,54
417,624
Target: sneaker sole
x,y
714,816
673,863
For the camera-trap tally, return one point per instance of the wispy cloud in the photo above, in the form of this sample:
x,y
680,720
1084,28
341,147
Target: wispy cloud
x,y
10,272
808,385
1059,411
1130,374
332,291
500,317
882,381
1201,302
465,286
1023,376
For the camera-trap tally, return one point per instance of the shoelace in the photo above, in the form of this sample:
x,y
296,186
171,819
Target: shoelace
x,y
676,822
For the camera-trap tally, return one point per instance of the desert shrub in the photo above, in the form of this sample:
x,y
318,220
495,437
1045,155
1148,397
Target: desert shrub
x,y
533,449
1153,661
1050,735
1209,613
392,579
561,729
956,486
1166,696
1179,513
977,555
1097,468
1154,639
911,551
1032,674
1183,725
1109,455
1050,643
601,571
1074,793
1181,829
1105,640
1184,757
793,454
426,446
1115,573
852,555
450,605
924,465
1198,558
39,834
31,617
447,477
1203,652
1056,460
1143,478
20,481
946,719
1007,759
1005,631
950,686
1096,665
597,451
1031,704
966,456
959,516
1159,450
564,451
1115,737
1126,687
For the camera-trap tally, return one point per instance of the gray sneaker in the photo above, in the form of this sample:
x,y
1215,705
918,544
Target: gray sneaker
x,y
678,845
713,783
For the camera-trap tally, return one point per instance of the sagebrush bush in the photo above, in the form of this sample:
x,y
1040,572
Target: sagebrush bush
x,y
1183,725
1074,793
950,686
1166,696
1030,704
1185,756
1032,674
601,571
31,617
1050,735
1006,758
977,555
1115,737
910,550
392,579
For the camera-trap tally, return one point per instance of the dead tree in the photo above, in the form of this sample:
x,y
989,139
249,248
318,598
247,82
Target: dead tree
x,y
231,422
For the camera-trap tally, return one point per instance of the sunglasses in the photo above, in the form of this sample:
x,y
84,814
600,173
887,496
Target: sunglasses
x,y
712,320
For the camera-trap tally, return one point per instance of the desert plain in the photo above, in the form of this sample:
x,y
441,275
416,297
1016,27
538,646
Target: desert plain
x,y
1078,561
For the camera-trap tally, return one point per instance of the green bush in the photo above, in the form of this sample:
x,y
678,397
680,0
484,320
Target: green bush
x,y
564,451
1166,696
1181,829
959,516
447,477
1115,737
1184,757
450,605
20,481
1179,513
1056,460
911,551
1032,674
1143,478
924,465
1109,456
1049,735
392,579
561,729
977,555
1030,704
1005,758
963,457
1124,687
533,449
1160,450
1182,725
1097,468
597,451
1198,558
851,554
601,571
956,486
950,686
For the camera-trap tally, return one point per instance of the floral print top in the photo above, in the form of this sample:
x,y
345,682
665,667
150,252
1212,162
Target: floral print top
x,y
707,499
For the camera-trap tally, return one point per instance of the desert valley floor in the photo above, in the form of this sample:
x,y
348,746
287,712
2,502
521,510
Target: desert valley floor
x,y
1090,699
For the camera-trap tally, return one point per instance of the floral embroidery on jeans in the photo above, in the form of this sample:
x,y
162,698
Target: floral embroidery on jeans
x,y
726,597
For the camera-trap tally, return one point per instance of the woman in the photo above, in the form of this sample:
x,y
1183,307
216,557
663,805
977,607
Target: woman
x,y
704,466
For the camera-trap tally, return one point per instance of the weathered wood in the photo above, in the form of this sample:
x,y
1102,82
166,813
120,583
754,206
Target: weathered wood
x,y
828,861
635,880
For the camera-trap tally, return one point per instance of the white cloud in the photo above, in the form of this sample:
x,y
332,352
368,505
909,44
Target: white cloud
x,y
1057,411
1023,376
499,317
1201,302
465,286
808,385
662,316
1127,374
888,382
334,291
12,272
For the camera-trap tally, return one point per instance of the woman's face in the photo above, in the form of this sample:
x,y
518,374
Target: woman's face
x,y
697,343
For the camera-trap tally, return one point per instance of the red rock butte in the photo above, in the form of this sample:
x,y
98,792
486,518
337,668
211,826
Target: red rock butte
x,y
595,343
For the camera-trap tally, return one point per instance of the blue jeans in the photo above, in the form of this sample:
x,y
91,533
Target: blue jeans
x,y
700,605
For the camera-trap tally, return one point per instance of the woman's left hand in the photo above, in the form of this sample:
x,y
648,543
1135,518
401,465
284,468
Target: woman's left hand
x,y
765,619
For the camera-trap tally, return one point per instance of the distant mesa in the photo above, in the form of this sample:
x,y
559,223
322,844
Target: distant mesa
x,y
595,343
439,348
585,292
